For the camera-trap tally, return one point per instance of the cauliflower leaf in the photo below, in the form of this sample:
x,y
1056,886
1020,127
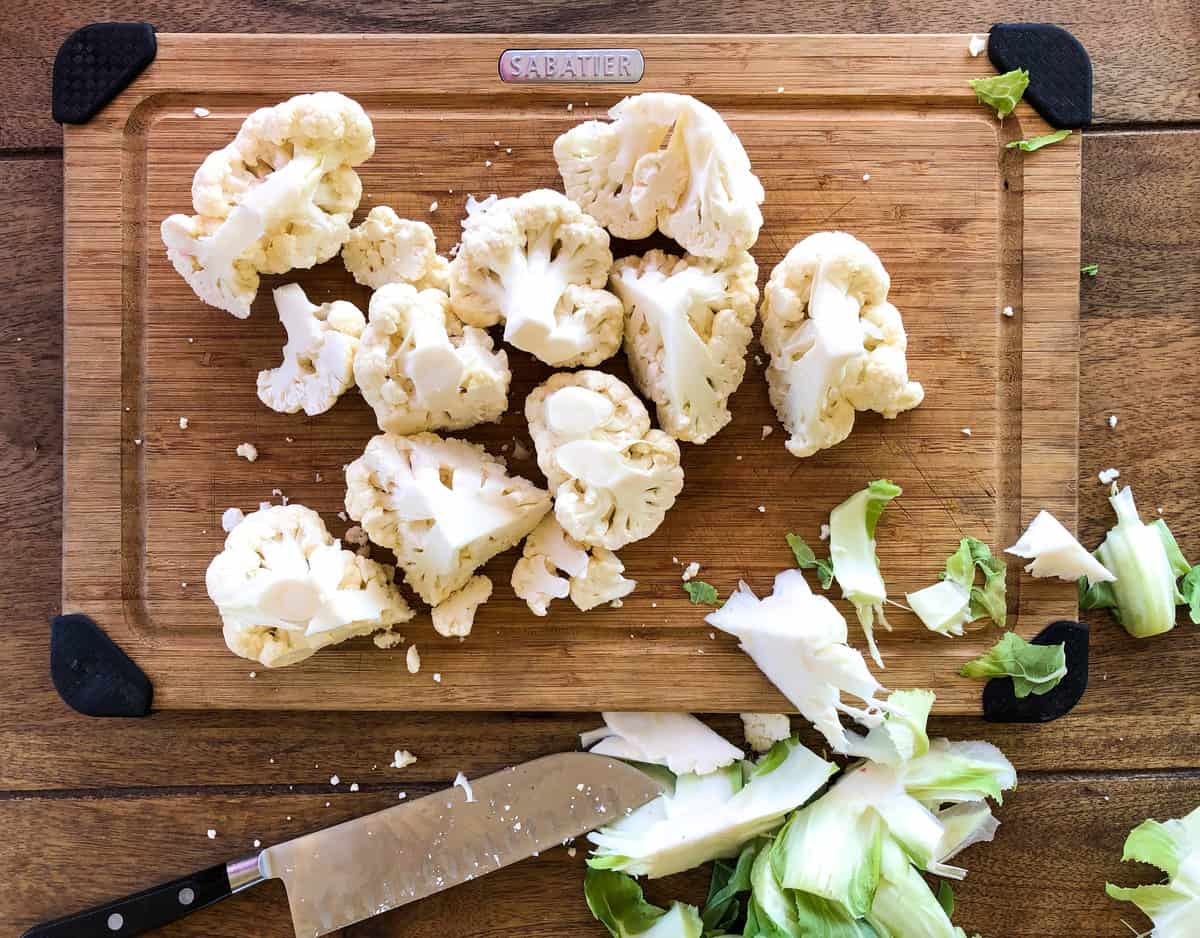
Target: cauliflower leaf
x,y
617,902
1035,669
1036,143
946,607
1174,847
1002,92
806,559
687,325
701,593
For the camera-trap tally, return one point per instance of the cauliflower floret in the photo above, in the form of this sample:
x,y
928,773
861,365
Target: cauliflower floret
x,y
421,369
835,342
667,161
386,248
593,575
764,730
613,478
285,588
444,506
318,359
455,615
538,263
278,197
687,324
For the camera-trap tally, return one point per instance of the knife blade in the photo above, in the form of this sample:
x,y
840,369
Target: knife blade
x,y
363,867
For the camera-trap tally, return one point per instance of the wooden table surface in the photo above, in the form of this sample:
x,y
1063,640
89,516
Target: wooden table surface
x,y
90,809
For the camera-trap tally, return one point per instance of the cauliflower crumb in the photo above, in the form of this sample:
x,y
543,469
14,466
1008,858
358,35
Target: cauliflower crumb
x,y
402,795
137,441
824,532
342,516
412,660
257,842
487,163
779,90
212,834
433,206
183,585
253,675
508,149
201,111
1108,475
334,780
388,639
354,786
690,571
356,535
316,477
402,759
231,518
571,851
767,431
762,509
289,439
571,106
460,781
1007,311
1112,421
520,450
977,45
616,604
966,431
190,340
866,177
437,677
248,451
183,423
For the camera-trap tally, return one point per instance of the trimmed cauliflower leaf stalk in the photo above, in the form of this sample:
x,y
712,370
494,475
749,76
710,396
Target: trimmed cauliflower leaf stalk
x,y
318,358
420,368
278,197
1145,563
677,741
454,616
386,248
798,641
852,551
687,325
285,588
613,478
1054,552
837,847
836,344
538,264
1174,847
666,161
711,816
593,575
444,506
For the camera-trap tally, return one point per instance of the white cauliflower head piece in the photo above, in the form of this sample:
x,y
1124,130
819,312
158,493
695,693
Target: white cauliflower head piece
x,y
444,506
688,321
614,479
386,248
593,575
318,358
539,264
666,161
285,588
454,616
836,344
420,368
278,197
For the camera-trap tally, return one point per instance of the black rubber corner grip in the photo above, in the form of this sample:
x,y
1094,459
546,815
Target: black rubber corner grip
x,y
1001,705
92,674
95,64
1060,71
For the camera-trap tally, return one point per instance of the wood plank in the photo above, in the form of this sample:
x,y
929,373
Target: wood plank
x,y
1043,877
1144,66
911,168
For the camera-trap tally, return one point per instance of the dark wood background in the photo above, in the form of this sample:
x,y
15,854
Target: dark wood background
x,y
91,809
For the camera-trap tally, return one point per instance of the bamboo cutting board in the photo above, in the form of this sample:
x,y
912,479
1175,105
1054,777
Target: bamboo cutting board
x,y
879,136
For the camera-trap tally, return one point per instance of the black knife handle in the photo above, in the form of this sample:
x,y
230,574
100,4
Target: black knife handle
x,y
143,911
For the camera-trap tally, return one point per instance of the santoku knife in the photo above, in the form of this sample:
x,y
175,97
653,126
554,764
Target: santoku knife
x,y
346,873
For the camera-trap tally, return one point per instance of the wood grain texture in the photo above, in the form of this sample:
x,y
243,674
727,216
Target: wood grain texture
x,y
959,230
1145,66
1060,838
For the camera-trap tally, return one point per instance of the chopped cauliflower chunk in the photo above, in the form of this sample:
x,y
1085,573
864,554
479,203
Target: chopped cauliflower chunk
x,y
420,368
285,588
278,197
412,659
764,730
614,479
666,161
454,616
593,575
538,264
836,344
248,451
687,325
386,248
444,506
318,359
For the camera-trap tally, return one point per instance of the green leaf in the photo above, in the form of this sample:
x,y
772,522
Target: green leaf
x,y
1189,587
1179,564
1174,847
616,900
1002,92
700,592
1097,595
806,559
721,909
1090,269
880,492
1034,668
989,600
822,918
1036,143
774,758
945,898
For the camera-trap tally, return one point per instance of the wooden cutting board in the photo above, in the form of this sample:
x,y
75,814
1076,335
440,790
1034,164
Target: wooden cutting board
x,y
876,135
